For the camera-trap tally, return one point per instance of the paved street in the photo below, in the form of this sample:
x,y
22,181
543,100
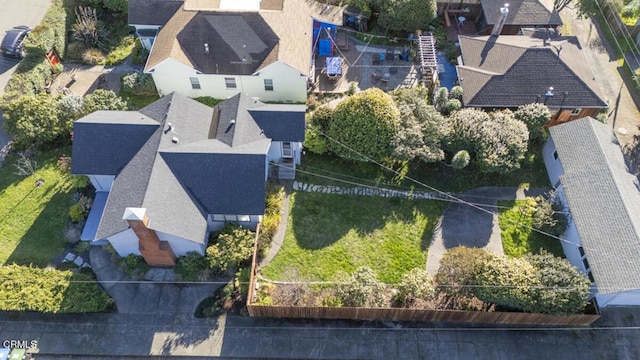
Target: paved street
x,y
12,13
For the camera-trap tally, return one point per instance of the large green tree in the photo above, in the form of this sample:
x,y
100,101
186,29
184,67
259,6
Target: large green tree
x,y
32,119
504,143
422,128
364,123
406,15
534,115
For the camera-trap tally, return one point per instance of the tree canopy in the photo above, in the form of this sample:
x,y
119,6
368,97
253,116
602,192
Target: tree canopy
x,y
534,115
32,119
365,122
406,15
103,100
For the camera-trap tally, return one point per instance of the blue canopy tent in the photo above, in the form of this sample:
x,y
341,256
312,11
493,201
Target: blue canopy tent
x,y
324,37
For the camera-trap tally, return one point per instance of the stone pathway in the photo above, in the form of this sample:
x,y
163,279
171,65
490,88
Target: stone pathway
x,y
367,191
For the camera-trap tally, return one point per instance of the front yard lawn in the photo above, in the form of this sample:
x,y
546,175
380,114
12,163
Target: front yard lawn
x,y
330,233
33,219
517,238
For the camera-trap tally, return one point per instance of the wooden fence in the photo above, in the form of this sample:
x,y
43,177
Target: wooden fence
x,y
399,314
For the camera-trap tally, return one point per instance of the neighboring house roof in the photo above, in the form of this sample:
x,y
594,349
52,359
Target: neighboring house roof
x,y
259,37
522,12
514,70
280,122
604,201
152,12
181,160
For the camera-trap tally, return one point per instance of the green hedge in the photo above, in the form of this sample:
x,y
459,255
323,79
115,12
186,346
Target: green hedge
x,y
50,291
34,71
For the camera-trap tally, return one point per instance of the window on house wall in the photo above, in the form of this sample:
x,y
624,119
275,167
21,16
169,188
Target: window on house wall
x,y
268,85
575,112
195,83
220,217
244,218
555,155
585,262
230,82
287,151
590,276
581,251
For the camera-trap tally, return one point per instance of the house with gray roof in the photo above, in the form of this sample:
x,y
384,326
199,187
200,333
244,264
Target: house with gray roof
x,y
508,71
602,198
168,174
261,48
521,14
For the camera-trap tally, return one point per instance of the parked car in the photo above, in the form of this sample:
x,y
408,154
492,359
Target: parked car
x,y
13,42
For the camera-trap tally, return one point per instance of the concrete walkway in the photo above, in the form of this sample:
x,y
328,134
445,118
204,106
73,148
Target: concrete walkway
x,y
464,225
367,191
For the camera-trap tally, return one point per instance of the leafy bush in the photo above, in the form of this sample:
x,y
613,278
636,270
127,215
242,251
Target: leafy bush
x,y
82,247
75,51
549,216
271,219
103,100
458,269
70,107
139,84
417,284
360,289
456,93
506,282
208,100
66,265
535,116
441,99
76,212
50,291
93,56
191,266
32,120
460,160
452,105
139,53
133,265
121,51
230,250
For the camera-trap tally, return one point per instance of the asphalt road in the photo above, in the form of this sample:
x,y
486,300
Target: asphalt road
x,y
12,13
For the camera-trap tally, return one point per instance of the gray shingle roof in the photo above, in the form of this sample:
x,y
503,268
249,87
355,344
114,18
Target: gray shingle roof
x,y
99,148
522,12
152,12
280,122
604,201
207,165
513,70
238,43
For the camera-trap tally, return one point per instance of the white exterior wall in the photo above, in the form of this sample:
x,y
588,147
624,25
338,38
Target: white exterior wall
x,y
554,168
275,151
101,182
181,246
289,85
125,243
627,298
297,151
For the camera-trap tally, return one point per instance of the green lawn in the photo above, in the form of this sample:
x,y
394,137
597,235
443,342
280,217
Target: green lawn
x,y
531,173
331,233
33,220
137,102
517,239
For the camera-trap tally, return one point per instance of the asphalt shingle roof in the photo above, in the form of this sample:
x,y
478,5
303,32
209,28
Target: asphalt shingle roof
x,y
513,70
522,12
280,122
211,161
152,12
604,201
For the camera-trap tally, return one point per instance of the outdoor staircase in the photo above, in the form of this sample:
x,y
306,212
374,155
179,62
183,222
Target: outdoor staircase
x,y
287,169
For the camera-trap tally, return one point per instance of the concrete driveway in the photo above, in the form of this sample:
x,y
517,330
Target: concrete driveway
x,y
23,12
465,225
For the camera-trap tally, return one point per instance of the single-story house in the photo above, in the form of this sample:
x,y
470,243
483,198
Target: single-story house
x,y
168,174
508,71
261,48
587,168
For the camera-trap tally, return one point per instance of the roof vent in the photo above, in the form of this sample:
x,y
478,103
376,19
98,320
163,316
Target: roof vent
x,y
206,48
232,121
169,128
175,140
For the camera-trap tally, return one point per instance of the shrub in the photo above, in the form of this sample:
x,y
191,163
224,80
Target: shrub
x,y
315,142
75,51
417,284
76,212
458,269
82,247
93,56
452,105
230,250
549,216
103,100
87,29
460,160
121,51
506,282
50,291
441,99
139,53
70,108
133,265
139,84
360,289
208,100
535,116
456,93
66,265
191,266
32,120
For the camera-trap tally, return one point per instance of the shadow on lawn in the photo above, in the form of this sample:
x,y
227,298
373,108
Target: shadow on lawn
x,y
45,238
319,220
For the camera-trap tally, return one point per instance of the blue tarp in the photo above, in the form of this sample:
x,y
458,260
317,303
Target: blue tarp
x,y
93,220
325,47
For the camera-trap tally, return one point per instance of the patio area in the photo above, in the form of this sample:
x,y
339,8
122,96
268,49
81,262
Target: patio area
x,y
384,67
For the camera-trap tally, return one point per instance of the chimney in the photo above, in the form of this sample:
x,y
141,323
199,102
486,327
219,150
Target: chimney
x,y
154,251
497,28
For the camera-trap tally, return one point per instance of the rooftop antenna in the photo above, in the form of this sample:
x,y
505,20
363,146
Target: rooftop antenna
x,y
548,95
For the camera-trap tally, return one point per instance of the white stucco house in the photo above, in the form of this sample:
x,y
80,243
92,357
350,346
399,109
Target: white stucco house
x,y
168,174
260,48
587,168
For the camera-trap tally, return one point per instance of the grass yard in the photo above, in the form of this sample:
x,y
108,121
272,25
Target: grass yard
x,y
331,233
137,102
33,220
518,240
532,173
